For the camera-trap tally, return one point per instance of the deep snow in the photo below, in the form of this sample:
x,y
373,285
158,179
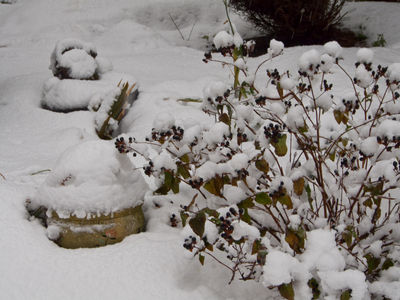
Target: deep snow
x,y
140,39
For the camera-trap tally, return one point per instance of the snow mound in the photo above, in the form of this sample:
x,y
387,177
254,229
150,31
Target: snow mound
x,y
91,178
73,59
69,94
365,55
223,40
333,49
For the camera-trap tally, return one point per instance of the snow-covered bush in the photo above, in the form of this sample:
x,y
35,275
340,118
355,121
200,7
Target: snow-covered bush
x,y
301,22
291,186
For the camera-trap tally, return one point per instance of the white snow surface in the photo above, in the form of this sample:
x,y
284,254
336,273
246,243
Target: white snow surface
x,y
139,38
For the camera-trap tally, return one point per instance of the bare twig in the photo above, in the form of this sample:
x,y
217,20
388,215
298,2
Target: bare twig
x,y
173,21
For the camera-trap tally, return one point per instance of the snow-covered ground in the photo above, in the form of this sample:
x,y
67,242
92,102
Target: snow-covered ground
x,y
140,39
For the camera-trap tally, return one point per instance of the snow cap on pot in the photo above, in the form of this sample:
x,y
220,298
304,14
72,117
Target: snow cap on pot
x,y
91,178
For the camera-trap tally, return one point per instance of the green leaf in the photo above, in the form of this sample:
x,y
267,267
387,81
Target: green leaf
x,y
332,156
201,259
243,92
373,262
340,117
262,165
303,129
256,247
230,111
296,239
308,190
197,223
175,186
348,238
298,186
387,264
280,146
262,256
170,183
346,295
245,217
210,187
263,199
314,286
226,179
182,171
375,189
368,203
189,100
225,119
246,203
211,212
285,200
163,190
286,291
185,158
280,90
215,185
184,217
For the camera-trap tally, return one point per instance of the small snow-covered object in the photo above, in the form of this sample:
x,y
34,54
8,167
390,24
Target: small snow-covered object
x,y
163,121
309,61
91,178
365,55
388,129
237,40
275,48
333,49
74,59
394,72
287,83
362,77
215,89
326,62
69,94
324,102
369,146
223,40
240,63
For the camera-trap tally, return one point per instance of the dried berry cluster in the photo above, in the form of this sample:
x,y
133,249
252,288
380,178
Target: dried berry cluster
x,y
273,131
176,133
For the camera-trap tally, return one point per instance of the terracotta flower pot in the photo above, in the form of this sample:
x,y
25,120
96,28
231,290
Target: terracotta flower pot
x,y
74,232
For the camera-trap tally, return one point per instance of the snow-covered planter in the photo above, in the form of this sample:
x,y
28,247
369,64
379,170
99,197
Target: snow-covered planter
x,y
92,197
74,59
80,76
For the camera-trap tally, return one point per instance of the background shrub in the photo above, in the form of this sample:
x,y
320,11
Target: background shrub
x,y
293,22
